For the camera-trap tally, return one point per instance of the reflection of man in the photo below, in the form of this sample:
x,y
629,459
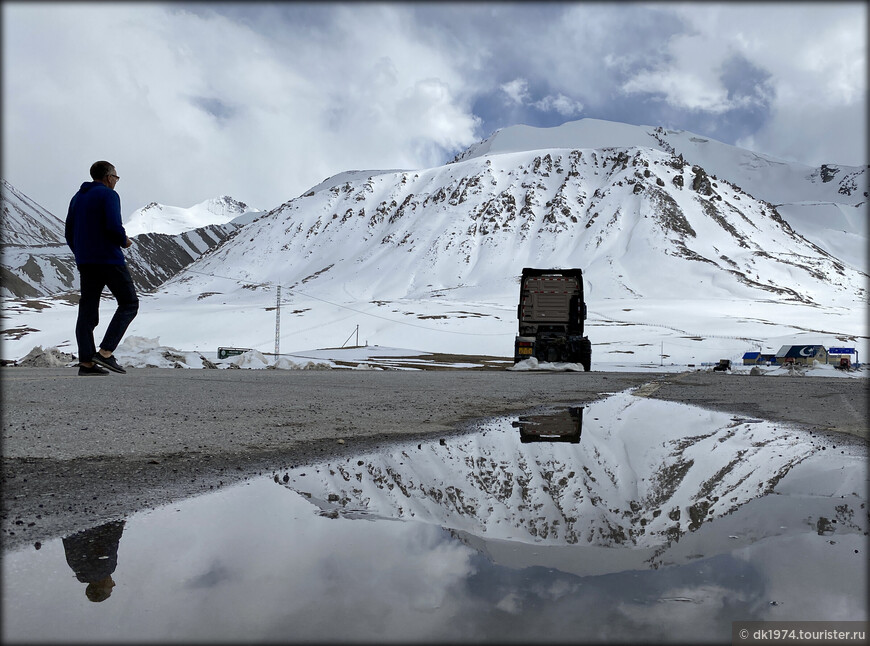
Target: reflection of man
x,y
93,556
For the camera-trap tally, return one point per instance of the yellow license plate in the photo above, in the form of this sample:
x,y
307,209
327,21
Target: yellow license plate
x,y
525,351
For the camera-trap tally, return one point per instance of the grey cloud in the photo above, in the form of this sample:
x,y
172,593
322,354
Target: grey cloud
x,y
215,107
300,91
746,83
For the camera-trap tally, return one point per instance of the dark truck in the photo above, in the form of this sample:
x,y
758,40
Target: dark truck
x,y
551,315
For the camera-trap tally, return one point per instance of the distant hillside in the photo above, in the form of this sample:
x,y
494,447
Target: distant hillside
x,y
36,261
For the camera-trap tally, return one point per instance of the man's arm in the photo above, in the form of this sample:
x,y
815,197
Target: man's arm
x,y
69,226
114,227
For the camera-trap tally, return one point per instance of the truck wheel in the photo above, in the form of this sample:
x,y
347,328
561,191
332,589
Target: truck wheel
x,y
586,353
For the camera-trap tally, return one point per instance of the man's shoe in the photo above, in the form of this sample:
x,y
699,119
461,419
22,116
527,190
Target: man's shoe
x,y
92,371
108,362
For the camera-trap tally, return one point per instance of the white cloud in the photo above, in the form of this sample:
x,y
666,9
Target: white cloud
x,y
263,101
517,91
135,83
813,136
562,104
815,59
682,89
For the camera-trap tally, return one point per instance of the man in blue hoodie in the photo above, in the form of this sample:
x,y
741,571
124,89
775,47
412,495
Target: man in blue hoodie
x,y
96,236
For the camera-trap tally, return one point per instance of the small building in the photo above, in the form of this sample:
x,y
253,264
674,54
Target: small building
x,y
805,355
758,359
836,354
751,358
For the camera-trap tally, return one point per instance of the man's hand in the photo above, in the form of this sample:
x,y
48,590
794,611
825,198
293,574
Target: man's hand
x,y
128,244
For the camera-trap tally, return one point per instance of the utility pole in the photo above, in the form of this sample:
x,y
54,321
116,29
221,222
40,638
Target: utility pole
x,y
278,322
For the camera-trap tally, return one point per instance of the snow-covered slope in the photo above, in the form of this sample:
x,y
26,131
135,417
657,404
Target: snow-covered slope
x,y
23,221
762,176
172,220
828,204
641,222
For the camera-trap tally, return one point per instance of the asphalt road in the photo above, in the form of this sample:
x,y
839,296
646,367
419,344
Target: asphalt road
x,y
81,451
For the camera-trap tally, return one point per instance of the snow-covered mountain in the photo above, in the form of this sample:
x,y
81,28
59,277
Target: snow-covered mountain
x,y
762,176
681,239
828,204
36,261
172,220
24,222
641,222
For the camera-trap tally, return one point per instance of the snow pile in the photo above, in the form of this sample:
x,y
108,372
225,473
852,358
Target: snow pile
x,y
283,363
533,364
253,359
250,359
50,358
792,370
143,352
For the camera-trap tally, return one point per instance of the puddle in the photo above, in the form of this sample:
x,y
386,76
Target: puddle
x,y
630,519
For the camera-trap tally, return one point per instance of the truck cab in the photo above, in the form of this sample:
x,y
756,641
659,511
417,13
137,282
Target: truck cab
x,y
551,315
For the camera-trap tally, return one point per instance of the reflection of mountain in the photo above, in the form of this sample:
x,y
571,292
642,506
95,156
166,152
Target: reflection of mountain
x,y
645,473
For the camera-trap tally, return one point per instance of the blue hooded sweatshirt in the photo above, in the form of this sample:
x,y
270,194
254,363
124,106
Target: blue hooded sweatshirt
x,y
93,226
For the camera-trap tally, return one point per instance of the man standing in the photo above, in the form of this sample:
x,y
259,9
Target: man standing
x,y
96,236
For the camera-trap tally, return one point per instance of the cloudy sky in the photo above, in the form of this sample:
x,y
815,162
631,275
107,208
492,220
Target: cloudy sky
x,y
261,101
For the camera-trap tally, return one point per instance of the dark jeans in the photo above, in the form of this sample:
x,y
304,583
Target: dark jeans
x,y
93,279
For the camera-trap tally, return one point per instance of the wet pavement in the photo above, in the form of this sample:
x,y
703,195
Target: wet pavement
x,y
627,519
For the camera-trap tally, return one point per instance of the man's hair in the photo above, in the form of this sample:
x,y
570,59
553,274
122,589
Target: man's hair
x,y
100,169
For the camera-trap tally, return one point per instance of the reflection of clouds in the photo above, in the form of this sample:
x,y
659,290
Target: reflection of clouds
x,y
217,574
558,589
833,577
626,607
256,562
382,570
679,614
510,603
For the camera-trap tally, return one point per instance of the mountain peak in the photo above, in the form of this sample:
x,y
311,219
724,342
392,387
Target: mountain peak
x,y
172,220
584,133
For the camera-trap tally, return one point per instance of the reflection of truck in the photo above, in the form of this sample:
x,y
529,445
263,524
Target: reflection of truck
x,y
551,313
564,426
